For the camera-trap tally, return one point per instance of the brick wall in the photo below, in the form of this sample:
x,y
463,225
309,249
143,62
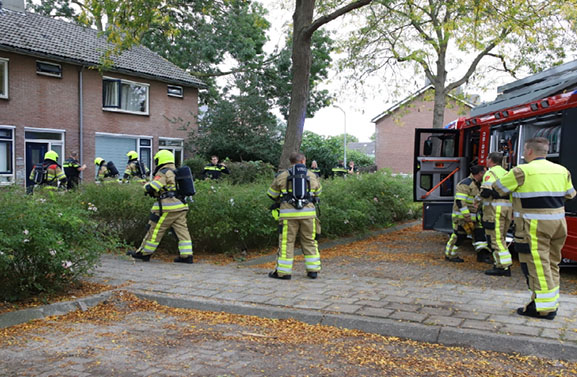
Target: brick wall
x,y
47,102
395,133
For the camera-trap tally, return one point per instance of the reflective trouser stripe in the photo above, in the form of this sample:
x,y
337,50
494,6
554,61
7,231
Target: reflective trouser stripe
x,y
480,245
536,256
185,247
451,249
284,261
310,245
546,301
149,247
158,225
502,256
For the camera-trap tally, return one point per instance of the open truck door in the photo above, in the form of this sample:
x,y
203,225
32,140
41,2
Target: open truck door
x,y
437,170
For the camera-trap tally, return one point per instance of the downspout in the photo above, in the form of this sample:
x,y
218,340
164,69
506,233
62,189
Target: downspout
x,y
81,116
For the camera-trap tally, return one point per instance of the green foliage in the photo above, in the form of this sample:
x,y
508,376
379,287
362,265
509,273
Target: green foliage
x,y
47,241
240,172
360,159
226,216
241,128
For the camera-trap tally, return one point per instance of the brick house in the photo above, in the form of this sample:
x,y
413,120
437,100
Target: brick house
x,y
51,97
394,127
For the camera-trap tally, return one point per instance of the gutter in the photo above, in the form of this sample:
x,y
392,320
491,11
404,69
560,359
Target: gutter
x,y
81,116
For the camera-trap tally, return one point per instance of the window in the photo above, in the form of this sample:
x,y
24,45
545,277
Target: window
x,y
145,152
6,156
3,78
173,145
48,69
125,96
175,91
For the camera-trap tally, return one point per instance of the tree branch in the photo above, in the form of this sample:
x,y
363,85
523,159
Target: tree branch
x,y
339,12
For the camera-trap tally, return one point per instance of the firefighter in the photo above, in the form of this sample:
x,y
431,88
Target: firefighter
x,y
215,170
104,174
297,216
339,170
168,211
135,171
464,219
315,168
48,174
539,189
497,216
72,170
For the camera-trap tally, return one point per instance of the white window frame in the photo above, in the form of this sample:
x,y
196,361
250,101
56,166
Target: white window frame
x,y
5,83
129,82
11,176
169,87
58,75
50,142
173,148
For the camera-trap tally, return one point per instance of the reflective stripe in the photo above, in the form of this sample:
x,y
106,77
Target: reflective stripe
x,y
504,189
157,227
535,254
502,204
155,185
289,212
273,193
539,194
571,191
551,294
540,216
156,206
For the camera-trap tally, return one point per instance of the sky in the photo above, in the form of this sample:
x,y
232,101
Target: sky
x,y
351,110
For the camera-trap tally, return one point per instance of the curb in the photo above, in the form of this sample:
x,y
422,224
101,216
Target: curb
x,y
524,345
333,243
59,308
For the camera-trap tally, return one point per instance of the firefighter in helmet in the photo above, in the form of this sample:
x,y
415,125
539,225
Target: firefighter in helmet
x,y
48,174
497,215
539,189
465,220
296,217
135,170
104,174
168,211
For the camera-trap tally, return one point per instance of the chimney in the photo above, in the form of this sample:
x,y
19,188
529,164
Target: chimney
x,y
17,5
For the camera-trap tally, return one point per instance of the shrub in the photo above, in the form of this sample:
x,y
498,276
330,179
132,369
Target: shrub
x,y
250,171
46,241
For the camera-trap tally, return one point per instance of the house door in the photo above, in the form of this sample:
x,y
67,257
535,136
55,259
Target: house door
x,y
34,154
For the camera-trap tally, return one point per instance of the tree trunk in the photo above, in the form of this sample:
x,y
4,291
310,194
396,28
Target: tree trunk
x,y
301,67
440,90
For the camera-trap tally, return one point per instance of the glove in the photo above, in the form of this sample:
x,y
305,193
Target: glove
x,y
469,227
275,214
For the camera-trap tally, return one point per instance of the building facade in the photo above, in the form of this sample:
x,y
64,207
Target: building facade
x,y
53,97
395,128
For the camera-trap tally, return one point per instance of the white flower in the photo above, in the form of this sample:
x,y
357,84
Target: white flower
x,y
231,201
53,252
346,221
60,214
42,200
66,264
25,232
26,240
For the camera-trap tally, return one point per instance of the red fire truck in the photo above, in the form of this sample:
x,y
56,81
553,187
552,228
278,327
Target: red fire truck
x,y
443,156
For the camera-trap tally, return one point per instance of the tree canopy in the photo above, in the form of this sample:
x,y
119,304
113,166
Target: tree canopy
x,y
446,40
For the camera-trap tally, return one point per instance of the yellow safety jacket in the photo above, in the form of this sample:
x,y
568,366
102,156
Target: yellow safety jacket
x,y
54,176
466,194
103,175
280,188
491,203
164,188
132,172
539,189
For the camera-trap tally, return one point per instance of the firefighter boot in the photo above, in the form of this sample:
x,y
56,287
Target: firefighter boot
x,y
312,274
138,255
531,311
275,275
187,259
455,259
484,256
496,271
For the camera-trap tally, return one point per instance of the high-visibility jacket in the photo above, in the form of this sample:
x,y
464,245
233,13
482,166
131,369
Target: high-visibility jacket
x,y
466,194
54,177
539,189
132,172
316,171
163,187
103,175
490,203
339,171
279,189
215,171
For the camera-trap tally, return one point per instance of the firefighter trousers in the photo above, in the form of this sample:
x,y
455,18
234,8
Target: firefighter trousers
x,y
159,224
459,235
496,236
540,255
288,231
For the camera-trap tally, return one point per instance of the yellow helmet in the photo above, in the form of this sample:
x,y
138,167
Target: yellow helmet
x,y
98,160
132,155
51,155
163,157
